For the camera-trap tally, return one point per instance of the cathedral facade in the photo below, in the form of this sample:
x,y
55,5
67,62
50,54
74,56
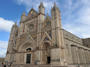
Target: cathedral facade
x,y
40,39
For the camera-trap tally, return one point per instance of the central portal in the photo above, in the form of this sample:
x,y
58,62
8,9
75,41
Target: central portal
x,y
48,60
28,59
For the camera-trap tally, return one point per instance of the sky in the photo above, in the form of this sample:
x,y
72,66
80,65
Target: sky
x,y
75,16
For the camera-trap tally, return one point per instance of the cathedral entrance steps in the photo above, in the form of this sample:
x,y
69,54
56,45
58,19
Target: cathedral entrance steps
x,y
32,65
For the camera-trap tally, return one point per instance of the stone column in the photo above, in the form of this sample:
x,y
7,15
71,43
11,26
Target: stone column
x,y
78,60
84,60
70,55
80,55
83,56
73,54
62,47
86,55
33,58
89,57
41,55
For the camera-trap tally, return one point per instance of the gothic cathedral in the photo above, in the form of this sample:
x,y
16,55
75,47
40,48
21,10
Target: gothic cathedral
x,y
40,39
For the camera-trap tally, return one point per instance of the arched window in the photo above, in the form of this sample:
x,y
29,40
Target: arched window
x,y
28,49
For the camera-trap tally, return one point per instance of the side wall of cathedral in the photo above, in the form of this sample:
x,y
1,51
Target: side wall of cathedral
x,y
77,54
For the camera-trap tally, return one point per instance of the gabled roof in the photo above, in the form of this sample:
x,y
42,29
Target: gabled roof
x,y
32,12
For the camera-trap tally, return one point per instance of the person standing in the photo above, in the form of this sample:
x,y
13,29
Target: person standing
x,y
2,64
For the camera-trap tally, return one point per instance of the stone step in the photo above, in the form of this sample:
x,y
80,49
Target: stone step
x,y
31,65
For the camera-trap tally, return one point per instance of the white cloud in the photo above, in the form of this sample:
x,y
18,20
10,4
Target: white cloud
x,y
2,52
84,16
77,18
30,3
79,30
3,48
5,25
3,44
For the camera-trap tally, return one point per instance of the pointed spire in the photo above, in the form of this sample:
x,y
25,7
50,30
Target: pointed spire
x,y
15,24
41,8
32,9
54,4
41,5
23,17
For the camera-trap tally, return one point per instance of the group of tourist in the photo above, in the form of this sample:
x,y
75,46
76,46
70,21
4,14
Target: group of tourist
x,y
6,65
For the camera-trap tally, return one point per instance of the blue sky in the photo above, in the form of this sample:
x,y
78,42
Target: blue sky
x,y
75,15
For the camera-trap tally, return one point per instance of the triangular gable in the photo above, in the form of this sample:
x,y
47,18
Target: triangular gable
x,y
45,36
32,12
29,37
